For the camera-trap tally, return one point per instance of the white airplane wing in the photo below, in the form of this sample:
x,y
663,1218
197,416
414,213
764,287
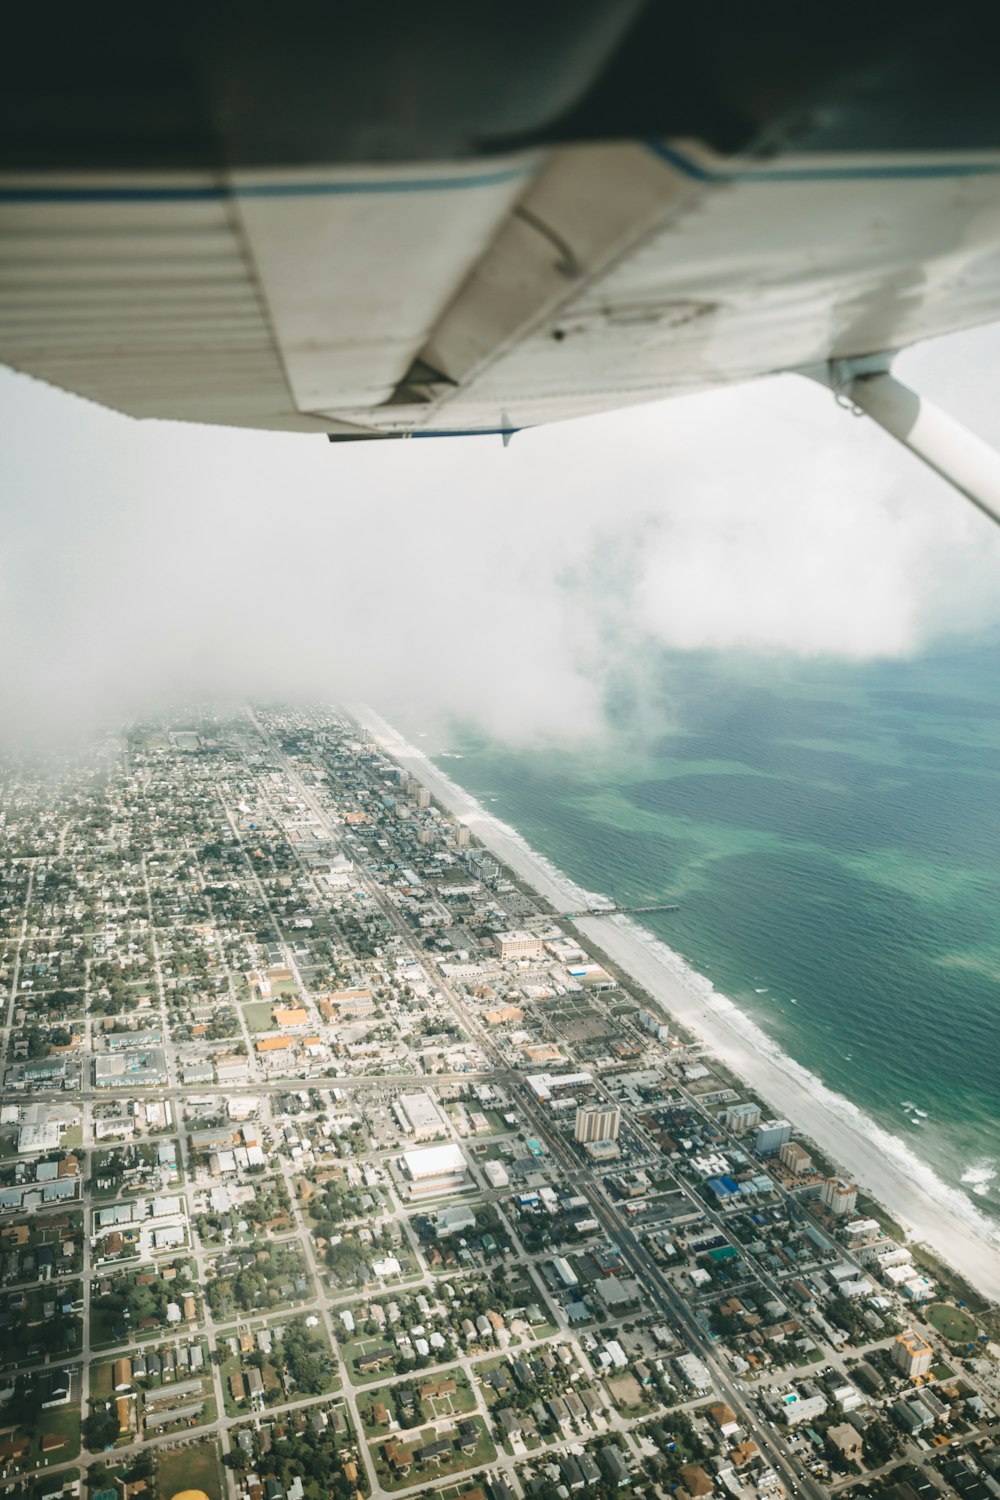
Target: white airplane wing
x,y
310,261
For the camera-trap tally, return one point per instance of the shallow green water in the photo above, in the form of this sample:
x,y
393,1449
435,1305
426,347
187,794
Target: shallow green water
x,y
833,836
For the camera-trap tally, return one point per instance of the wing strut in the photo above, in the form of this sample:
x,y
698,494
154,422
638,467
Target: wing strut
x,y
951,450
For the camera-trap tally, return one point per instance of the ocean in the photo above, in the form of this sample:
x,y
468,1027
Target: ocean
x,y
831,833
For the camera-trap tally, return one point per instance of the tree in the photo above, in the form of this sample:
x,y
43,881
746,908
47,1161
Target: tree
x,y
307,1373
100,1429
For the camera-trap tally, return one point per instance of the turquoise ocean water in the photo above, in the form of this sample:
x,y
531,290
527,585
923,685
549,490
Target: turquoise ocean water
x,y
832,833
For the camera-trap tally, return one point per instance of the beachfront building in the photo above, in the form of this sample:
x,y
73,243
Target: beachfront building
x,y
597,1122
518,944
839,1198
483,866
912,1354
654,1025
861,1231
739,1118
771,1136
795,1158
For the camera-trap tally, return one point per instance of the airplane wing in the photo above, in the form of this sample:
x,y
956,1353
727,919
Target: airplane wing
x,y
367,225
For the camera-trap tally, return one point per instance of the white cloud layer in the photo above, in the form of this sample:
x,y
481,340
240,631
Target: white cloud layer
x,y
141,563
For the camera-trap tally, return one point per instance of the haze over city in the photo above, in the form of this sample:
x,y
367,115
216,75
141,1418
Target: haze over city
x,y
143,563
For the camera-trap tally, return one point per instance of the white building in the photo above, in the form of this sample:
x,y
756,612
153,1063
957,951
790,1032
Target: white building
x,y
496,1174
421,1117
796,1409
693,1372
839,1198
654,1025
435,1170
34,1138
449,1221
771,1136
860,1230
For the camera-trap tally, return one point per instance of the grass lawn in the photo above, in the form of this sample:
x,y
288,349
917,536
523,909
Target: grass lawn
x,y
458,1403
228,1367
953,1323
811,1357
68,1476
61,1420
102,1327
194,1468
258,1015
454,1463
481,1369
366,1411
352,1349
543,1330
489,1151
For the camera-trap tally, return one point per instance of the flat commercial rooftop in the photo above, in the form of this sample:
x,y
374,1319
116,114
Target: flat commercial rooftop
x,y
435,1161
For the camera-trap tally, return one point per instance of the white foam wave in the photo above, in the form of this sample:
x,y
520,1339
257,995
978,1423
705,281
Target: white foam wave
x,y
836,1104
980,1176
555,884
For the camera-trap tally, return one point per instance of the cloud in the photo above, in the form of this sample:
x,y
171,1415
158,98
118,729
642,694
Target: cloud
x,y
146,563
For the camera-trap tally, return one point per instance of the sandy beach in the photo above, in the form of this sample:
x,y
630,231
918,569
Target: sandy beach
x,y
883,1166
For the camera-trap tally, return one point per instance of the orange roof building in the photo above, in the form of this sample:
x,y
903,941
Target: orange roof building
x,y
504,1014
293,1016
274,1044
696,1481
542,1052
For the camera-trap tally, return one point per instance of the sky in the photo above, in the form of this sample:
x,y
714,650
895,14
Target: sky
x,y
143,564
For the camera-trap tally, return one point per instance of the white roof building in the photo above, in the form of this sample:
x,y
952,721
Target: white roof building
x,y
435,1161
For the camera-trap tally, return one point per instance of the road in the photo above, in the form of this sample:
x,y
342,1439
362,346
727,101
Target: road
x,y
795,1477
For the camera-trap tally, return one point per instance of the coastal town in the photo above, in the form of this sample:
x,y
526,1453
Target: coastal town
x,y
336,1162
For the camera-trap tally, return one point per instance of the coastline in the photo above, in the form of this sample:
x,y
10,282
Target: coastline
x,y
929,1211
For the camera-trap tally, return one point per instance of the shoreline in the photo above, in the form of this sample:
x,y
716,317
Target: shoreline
x,y
884,1167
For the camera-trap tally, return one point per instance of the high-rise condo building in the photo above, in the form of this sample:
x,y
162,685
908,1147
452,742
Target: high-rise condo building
x,y
741,1117
839,1197
597,1122
912,1354
796,1158
771,1136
